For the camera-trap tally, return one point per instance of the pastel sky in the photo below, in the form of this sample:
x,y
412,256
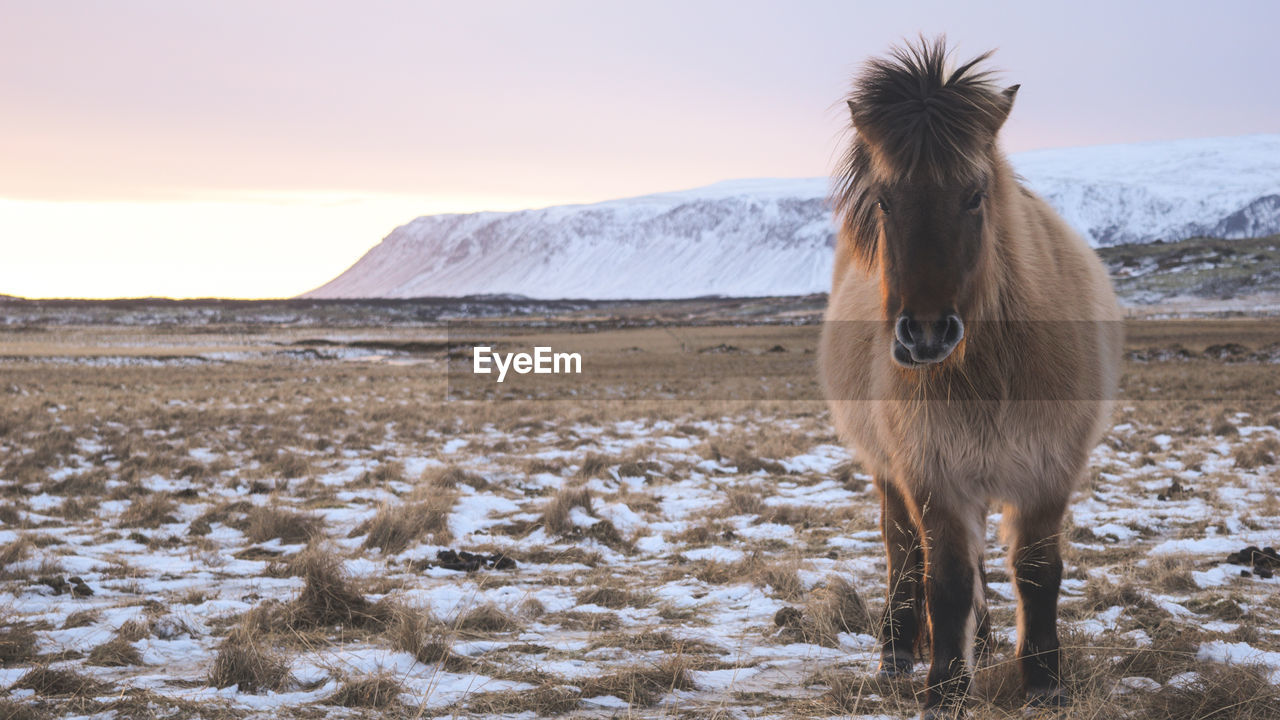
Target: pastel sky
x,y
256,149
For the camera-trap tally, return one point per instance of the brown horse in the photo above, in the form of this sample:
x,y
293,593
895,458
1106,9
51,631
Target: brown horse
x,y
971,345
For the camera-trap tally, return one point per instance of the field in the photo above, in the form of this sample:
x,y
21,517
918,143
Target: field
x,y
322,514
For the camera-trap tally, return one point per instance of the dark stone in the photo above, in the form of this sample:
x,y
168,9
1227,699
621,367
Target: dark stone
x,y
788,617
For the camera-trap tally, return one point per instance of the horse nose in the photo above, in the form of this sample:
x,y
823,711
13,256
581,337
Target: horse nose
x,y
927,342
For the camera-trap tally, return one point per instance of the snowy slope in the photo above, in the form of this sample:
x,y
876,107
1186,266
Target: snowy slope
x,y
774,237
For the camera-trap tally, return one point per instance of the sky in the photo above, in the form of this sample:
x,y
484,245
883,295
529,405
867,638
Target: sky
x,y
257,149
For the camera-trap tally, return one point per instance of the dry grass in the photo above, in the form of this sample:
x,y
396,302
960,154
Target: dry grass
x,y
555,516
81,618
544,701
614,594
248,662
150,511
379,691
17,644
329,596
1240,693
485,619
1167,573
426,638
16,551
11,710
116,652
269,523
397,526
1256,454
452,476
657,640
595,465
644,684
829,611
49,682
343,415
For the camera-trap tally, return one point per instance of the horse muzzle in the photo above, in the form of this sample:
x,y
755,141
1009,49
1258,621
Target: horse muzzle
x,y
916,343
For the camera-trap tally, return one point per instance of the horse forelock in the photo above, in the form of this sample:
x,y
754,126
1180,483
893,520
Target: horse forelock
x,y
915,119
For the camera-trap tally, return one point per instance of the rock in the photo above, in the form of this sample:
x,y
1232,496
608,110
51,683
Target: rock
x,y
470,562
788,617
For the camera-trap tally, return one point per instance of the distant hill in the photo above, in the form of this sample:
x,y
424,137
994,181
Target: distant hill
x,y
774,237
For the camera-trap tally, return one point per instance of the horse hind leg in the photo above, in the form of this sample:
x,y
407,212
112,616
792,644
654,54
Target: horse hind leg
x,y
982,637
900,628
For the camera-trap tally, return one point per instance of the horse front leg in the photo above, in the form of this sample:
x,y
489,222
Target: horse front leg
x,y
900,626
1036,562
952,549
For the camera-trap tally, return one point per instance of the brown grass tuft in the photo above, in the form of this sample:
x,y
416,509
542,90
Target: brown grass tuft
x,y
542,701
595,465
1257,454
81,618
48,681
384,473
247,662
116,652
425,638
329,598
151,511
741,501
17,645
269,523
642,684
487,618
614,595
555,517
375,691
288,465
657,640
16,551
782,578
396,527
831,610
10,710
450,477
1240,693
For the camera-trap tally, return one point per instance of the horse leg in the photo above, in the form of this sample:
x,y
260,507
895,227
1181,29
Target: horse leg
x,y
953,541
900,627
1037,571
983,634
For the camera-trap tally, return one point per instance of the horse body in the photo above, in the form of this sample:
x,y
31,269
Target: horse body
x,y
1021,341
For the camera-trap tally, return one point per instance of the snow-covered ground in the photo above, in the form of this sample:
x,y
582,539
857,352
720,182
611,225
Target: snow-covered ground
x,y
646,539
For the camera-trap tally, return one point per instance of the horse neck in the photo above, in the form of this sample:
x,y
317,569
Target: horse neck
x,y
1001,296
1005,276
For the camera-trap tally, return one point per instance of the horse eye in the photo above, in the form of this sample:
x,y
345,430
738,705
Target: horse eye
x,y
884,206
975,202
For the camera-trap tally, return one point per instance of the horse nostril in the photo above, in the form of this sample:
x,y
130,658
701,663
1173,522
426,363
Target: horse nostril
x,y
954,332
903,329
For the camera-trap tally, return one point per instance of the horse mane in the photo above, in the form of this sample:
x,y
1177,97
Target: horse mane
x,y
913,117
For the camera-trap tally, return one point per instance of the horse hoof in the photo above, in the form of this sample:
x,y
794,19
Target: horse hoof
x,y
1047,698
894,667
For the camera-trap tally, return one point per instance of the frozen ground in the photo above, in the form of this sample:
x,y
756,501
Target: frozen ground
x,y
203,507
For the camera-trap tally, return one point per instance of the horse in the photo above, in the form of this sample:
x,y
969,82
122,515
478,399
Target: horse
x,y
969,355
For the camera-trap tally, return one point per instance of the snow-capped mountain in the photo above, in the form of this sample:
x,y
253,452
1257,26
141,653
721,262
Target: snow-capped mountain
x,y
775,237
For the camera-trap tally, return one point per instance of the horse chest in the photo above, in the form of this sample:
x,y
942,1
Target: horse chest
x,y
988,448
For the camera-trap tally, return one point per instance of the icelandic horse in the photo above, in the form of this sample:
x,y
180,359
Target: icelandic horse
x,y
969,354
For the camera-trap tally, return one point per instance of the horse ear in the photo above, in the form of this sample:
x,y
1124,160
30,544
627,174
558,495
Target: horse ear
x,y
853,109
1003,107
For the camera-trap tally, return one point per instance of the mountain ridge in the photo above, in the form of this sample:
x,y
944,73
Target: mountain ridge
x,y
759,237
